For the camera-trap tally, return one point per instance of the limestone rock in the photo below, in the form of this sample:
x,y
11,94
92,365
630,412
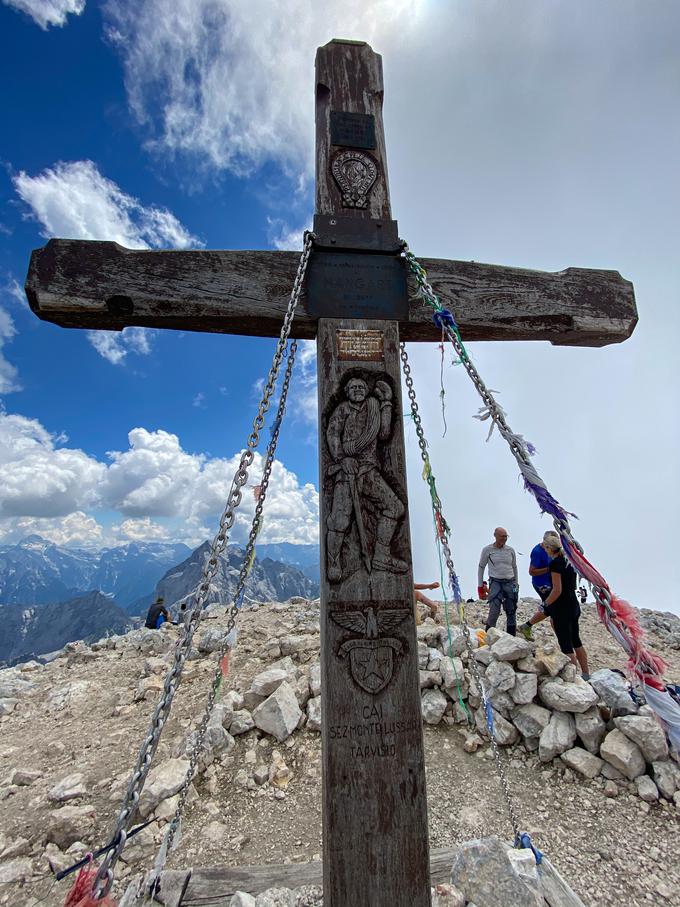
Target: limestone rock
x,y
162,782
483,655
499,676
530,719
68,695
432,706
301,687
484,873
15,871
315,679
314,714
430,679
567,697
242,722
583,762
623,754
212,640
69,824
591,729
611,773
448,895
613,691
217,740
265,683
549,660
525,688
529,665
242,899
646,789
557,737
610,789
664,775
647,733
7,706
505,733
296,645
472,743
23,777
279,714
69,788
275,897
510,648
452,672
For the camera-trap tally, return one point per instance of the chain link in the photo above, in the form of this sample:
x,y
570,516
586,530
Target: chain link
x,y
236,604
472,662
519,451
104,878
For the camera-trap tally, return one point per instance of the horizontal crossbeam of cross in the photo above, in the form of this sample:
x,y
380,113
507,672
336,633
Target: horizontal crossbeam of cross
x,y
86,284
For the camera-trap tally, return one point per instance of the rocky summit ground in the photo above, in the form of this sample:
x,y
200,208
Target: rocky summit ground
x,y
70,731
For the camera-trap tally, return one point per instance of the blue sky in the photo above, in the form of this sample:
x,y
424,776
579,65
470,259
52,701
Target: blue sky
x,y
529,134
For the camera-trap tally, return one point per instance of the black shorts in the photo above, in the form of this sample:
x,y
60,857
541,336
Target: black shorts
x,y
565,624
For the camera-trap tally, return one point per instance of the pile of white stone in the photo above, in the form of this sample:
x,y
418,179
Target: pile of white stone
x,y
539,701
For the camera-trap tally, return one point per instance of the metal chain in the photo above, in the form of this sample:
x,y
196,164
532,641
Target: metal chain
x,y
474,667
236,603
104,878
601,593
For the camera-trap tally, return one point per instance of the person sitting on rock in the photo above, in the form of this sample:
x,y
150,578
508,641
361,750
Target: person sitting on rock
x,y
419,598
157,615
563,607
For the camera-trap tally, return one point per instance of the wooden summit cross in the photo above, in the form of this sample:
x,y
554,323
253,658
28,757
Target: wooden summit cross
x,y
358,305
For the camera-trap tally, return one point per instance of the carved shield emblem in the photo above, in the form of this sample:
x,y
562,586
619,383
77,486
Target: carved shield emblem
x,y
371,659
354,172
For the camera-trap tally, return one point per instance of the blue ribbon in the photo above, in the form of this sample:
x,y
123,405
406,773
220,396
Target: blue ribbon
x,y
276,425
443,318
523,840
489,717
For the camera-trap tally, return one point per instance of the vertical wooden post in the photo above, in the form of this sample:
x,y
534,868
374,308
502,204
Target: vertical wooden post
x,y
375,851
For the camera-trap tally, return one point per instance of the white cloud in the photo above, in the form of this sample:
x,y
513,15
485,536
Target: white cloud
x,y
75,529
73,200
199,400
160,490
40,478
284,237
8,372
141,530
16,292
303,392
234,82
115,345
48,12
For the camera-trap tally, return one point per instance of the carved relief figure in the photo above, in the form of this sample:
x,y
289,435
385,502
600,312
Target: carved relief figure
x,y
354,172
371,658
356,427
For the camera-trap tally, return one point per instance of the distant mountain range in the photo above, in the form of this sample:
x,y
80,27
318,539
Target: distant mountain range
x,y
51,595
268,580
38,572
27,632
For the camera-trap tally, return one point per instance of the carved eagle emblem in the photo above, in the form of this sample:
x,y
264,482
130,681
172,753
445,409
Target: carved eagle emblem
x,y
371,623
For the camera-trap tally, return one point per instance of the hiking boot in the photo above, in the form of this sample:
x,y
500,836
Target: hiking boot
x,y
383,560
525,630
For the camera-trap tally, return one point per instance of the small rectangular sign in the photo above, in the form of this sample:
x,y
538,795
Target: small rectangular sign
x,y
353,130
356,285
360,346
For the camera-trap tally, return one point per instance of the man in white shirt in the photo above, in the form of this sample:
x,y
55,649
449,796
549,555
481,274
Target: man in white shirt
x,y
503,580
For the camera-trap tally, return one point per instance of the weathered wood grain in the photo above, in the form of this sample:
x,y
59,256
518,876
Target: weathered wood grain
x,y
375,832
349,78
84,284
